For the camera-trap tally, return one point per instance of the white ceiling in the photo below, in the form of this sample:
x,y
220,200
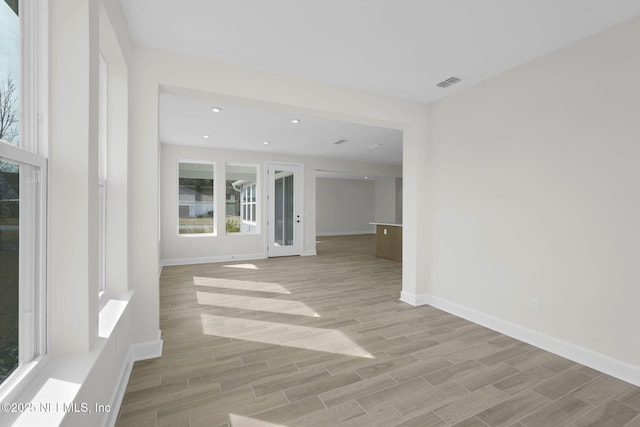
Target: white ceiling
x,y
397,48
186,120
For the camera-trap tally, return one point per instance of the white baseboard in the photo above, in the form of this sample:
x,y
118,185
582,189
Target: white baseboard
x,y
344,233
207,260
603,363
118,393
137,352
309,253
413,299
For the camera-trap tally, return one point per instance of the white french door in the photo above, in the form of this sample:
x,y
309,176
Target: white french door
x,y
284,209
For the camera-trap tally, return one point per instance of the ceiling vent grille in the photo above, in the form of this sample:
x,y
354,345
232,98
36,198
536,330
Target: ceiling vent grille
x,y
448,82
340,141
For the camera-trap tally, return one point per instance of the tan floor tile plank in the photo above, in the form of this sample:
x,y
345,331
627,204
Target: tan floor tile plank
x,y
562,384
356,390
559,412
470,404
608,414
425,420
313,388
429,399
291,411
600,389
513,408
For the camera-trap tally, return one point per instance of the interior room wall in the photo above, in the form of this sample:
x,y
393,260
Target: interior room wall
x,y
225,247
385,199
536,201
344,206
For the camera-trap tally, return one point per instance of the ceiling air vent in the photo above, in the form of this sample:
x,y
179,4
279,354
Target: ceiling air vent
x,y
340,141
448,82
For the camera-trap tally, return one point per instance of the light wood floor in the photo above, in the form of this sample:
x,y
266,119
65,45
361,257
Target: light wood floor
x,y
325,341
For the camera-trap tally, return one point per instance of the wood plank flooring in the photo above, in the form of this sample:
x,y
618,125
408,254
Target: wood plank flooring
x,y
324,341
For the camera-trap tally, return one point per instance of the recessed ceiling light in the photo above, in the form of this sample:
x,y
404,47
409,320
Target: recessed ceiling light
x,y
266,142
295,121
205,136
216,109
366,177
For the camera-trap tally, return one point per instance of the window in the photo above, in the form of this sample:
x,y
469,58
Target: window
x,y
22,199
195,198
241,199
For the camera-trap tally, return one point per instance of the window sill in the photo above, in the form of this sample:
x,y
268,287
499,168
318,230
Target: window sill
x,y
48,392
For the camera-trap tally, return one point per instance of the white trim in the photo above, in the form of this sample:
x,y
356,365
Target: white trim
x,y
118,393
212,259
601,362
137,352
309,253
345,233
146,350
413,299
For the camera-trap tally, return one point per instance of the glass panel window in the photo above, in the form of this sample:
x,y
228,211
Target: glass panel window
x,y
9,72
22,199
241,199
9,266
195,198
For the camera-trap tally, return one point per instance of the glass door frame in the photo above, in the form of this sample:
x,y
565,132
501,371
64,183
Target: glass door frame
x,y
297,170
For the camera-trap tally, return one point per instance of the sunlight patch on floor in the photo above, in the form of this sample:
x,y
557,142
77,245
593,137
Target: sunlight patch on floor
x,y
271,305
305,337
242,421
243,266
244,285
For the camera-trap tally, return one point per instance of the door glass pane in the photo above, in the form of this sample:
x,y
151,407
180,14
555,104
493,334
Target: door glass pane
x,y
9,72
9,261
288,208
284,208
279,211
195,210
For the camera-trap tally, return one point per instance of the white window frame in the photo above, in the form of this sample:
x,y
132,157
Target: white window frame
x,y
214,198
254,220
102,178
31,156
246,204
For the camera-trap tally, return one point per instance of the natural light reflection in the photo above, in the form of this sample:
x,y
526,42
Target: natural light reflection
x,y
306,337
245,266
271,305
244,285
50,405
242,421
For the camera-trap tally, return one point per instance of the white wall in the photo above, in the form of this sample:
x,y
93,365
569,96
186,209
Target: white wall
x,y
184,249
385,199
536,196
344,206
